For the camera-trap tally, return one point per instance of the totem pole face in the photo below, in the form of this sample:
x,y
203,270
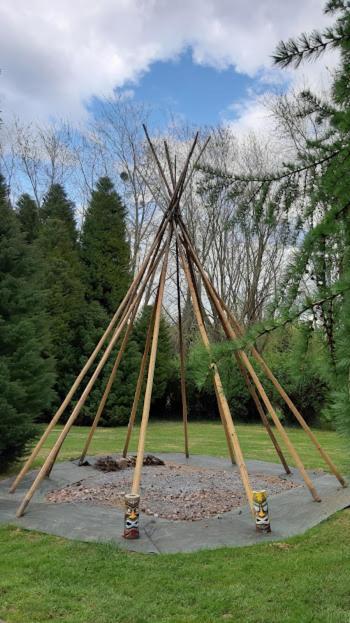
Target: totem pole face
x,y
131,517
262,520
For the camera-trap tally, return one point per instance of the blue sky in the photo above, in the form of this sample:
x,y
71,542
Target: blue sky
x,y
199,93
87,50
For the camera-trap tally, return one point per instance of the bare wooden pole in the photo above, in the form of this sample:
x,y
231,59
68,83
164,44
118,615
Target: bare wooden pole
x,y
53,453
178,190
262,414
88,364
130,307
55,449
232,335
296,413
170,167
149,385
221,413
219,390
182,357
154,247
195,164
224,425
285,396
155,156
181,340
108,387
139,381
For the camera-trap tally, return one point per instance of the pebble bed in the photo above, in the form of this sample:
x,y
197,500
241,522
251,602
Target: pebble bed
x,y
172,491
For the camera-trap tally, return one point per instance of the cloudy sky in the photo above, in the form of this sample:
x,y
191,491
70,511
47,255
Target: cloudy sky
x,y
208,60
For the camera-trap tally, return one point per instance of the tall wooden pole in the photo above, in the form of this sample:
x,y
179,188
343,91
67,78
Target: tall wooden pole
x,y
55,449
108,387
149,385
132,307
232,335
219,390
154,249
182,357
296,413
262,414
221,413
283,394
140,381
181,340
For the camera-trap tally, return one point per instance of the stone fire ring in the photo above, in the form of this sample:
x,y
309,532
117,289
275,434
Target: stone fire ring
x,y
291,512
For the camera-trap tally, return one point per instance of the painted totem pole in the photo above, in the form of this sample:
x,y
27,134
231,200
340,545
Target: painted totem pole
x,y
131,517
262,521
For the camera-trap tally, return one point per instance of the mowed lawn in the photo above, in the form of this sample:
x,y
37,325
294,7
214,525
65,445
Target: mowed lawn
x,y
204,438
302,580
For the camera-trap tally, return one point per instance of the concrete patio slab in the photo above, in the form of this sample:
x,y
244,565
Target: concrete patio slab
x,y
291,512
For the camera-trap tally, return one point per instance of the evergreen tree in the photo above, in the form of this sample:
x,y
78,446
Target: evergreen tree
x,y
26,372
105,249
105,258
28,216
315,188
56,206
119,403
325,253
62,278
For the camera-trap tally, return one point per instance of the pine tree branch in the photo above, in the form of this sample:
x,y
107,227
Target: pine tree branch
x,y
309,46
252,335
272,178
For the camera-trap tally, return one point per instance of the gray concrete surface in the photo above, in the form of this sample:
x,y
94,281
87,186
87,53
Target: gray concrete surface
x,y
291,512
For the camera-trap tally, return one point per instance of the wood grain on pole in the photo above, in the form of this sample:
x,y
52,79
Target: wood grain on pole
x,y
139,381
224,425
182,357
150,376
219,390
299,417
222,417
53,454
262,414
184,402
90,361
232,335
267,370
170,167
133,305
108,387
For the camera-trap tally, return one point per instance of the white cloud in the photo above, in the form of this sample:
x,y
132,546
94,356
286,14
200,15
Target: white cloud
x,y
56,55
252,112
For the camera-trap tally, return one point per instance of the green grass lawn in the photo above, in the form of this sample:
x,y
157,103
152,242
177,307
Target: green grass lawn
x,y
205,438
303,580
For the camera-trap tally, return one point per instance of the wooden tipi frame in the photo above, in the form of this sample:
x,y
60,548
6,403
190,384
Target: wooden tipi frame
x,y
172,231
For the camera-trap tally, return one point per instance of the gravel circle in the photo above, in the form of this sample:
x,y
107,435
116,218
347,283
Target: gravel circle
x,y
172,491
